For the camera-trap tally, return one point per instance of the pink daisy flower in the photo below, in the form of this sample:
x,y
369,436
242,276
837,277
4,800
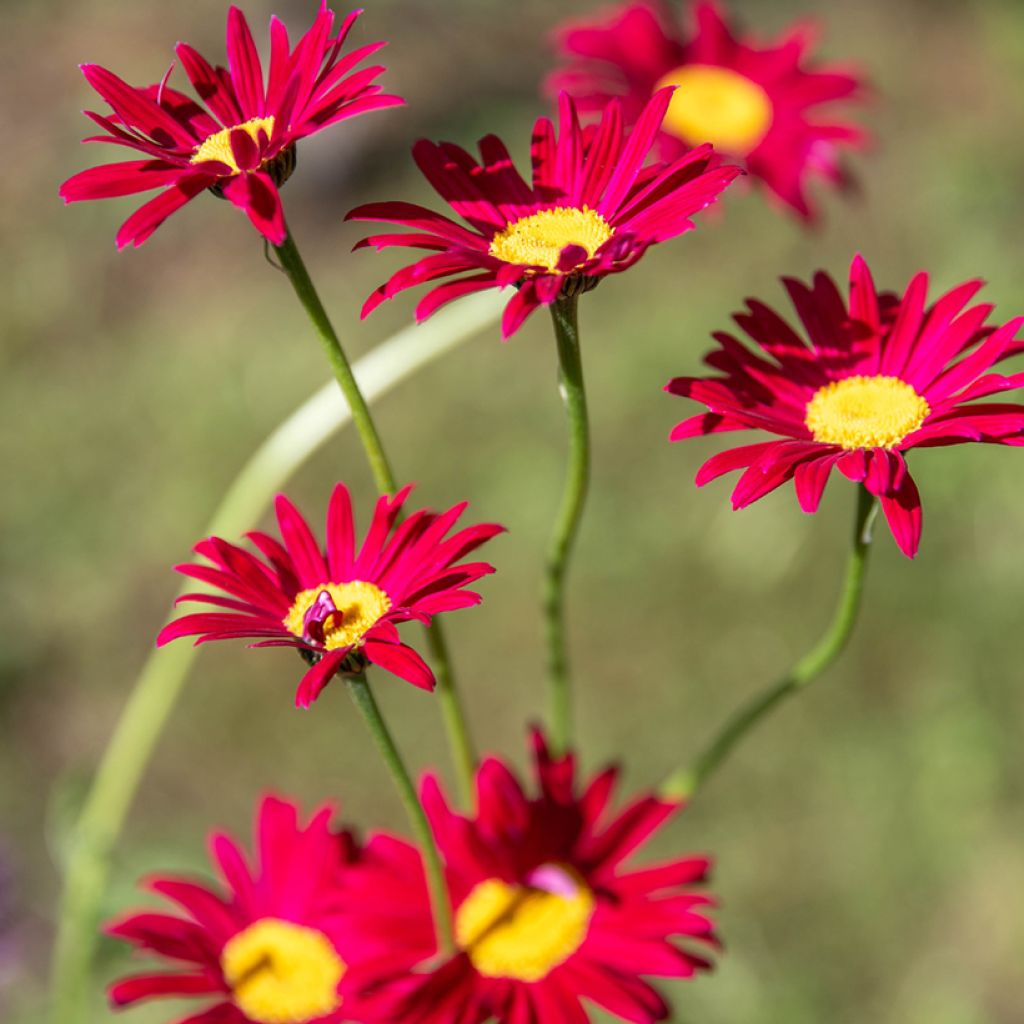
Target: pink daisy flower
x,y
339,608
240,139
877,376
592,209
546,912
767,106
274,947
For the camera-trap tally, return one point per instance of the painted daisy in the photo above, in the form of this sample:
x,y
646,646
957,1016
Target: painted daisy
x,y
272,947
592,209
870,379
547,914
338,607
239,140
767,106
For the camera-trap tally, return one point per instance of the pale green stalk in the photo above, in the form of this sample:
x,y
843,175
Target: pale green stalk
x,y
159,686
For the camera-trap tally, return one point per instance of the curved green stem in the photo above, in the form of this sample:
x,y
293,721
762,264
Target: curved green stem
x,y
295,268
384,477
362,697
564,314
684,783
162,679
454,715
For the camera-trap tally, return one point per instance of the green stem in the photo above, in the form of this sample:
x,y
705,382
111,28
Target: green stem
x,y
564,314
362,697
384,477
454,717
163,677
295,268
684,783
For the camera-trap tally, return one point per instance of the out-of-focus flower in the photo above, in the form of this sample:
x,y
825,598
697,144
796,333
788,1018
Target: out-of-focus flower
x,y
240,139
768,106
592,210
338,607
274,948
878,376
547,915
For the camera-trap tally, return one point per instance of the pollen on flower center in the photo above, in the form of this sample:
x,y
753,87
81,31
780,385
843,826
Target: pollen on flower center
x,y
717,105
282,973
538,240
865,412
337,614
523,931
218,146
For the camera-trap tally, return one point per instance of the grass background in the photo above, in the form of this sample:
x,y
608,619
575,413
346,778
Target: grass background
x,y
868,839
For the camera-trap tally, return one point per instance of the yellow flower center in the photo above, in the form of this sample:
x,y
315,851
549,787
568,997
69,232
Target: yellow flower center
x,y
337,614
717,105
538,240
218,146
282,973
865,412
521,932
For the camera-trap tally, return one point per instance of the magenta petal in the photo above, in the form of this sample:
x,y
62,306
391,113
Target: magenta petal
x,y
121,179
401,661
810,479
148,986
903,513
520,306
144,221
257,195
314,681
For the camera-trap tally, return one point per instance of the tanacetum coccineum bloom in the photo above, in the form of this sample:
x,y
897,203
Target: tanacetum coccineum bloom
x,y
876,376
765,105
592,209
272,948
547,914
241,141
338,607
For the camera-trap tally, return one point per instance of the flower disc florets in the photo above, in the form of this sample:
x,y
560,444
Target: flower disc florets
x,y
592,208
550,915
240,141
875,377
271,942
769,106
338,607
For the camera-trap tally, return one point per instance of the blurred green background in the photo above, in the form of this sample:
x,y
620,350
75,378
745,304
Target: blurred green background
x,y
869,840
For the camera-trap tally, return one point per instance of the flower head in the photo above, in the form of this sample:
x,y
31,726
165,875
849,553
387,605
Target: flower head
x,y
274,949
546,912
338,607
876,376
592,209
239,140
762,105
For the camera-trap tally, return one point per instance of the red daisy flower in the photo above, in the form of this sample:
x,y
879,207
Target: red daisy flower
x,y
880,375
546,915
241,142
756,103
592,210
338,608
274,948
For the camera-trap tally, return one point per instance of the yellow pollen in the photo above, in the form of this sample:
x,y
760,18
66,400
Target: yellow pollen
x,y
717,105
518,932
358,606
282,973
218,146
538,240
865,412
